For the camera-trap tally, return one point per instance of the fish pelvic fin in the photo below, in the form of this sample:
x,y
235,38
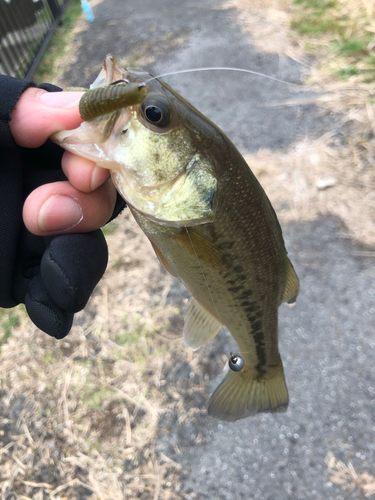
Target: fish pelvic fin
x,y
200,326
291,286
246,393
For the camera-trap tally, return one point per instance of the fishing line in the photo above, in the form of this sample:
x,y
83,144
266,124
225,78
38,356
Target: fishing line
x,y
256,73
204,277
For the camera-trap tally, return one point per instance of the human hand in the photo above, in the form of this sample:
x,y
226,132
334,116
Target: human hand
x,y
53,275
86,201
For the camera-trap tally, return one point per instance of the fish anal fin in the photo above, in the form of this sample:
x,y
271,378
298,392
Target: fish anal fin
x,y
246,393
291,285
201,247
200,326
162,260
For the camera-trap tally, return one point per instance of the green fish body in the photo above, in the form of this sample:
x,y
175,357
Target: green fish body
x,y
210,223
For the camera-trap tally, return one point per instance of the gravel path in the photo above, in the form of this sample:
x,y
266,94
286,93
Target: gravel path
x,y
327,341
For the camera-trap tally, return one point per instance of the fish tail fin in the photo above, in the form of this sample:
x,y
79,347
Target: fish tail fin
x,y
245,393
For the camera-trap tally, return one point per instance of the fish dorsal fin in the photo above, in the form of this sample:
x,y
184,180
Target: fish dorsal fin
x,y
162,260
246,393
291,286
200,326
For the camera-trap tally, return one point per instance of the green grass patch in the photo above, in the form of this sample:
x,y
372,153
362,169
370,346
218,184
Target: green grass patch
x,y
347,72
130,337
348,27
311,47
9,320
94,398
58,44
122,338
351,47
313,19
48,358
316,5
109,229
312,26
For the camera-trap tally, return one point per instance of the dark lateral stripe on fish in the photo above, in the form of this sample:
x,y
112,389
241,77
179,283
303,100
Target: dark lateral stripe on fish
x,y
241,277
233,268
251,314
260,350
250,307
256,326
235,289
244,295
238,269
254,315
247,303
226,245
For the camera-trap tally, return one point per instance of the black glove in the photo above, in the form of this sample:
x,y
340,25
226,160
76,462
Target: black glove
x,y
54,276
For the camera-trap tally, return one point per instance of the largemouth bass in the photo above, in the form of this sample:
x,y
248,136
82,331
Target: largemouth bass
x,y
208,220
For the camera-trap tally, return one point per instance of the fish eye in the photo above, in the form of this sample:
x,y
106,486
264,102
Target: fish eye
x,y
156,112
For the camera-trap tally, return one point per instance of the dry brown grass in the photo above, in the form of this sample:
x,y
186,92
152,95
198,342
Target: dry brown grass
x,y
345,475
79,417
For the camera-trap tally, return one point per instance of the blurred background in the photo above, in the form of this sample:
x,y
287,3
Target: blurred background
x,y
117,410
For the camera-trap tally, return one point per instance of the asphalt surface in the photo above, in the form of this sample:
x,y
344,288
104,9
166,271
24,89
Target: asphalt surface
x,y
327,341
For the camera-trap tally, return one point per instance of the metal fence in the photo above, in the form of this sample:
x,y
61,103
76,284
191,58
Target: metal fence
x,y
26,27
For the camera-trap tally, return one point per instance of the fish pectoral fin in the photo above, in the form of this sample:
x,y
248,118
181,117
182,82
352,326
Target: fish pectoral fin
x,y
204,250
292,284
200,326
246,393
162,260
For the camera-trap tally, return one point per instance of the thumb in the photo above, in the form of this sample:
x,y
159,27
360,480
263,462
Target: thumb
x,y
39,114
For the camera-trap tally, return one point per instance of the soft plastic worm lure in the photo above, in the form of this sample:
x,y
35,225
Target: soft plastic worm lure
x,y
103,100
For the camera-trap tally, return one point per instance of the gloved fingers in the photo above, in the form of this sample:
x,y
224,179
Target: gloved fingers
x,y
83,174
39,114
72,266
60,208
43,311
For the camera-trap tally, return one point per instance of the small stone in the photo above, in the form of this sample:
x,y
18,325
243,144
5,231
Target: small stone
x,y
326,182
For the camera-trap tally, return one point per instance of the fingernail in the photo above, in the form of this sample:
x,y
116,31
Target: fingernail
x,y
59,213
60,99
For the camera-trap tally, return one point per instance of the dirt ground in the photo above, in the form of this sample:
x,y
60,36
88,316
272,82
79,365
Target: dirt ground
x,y
117,410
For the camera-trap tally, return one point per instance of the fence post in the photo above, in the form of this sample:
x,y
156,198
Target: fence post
x,y
55,9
